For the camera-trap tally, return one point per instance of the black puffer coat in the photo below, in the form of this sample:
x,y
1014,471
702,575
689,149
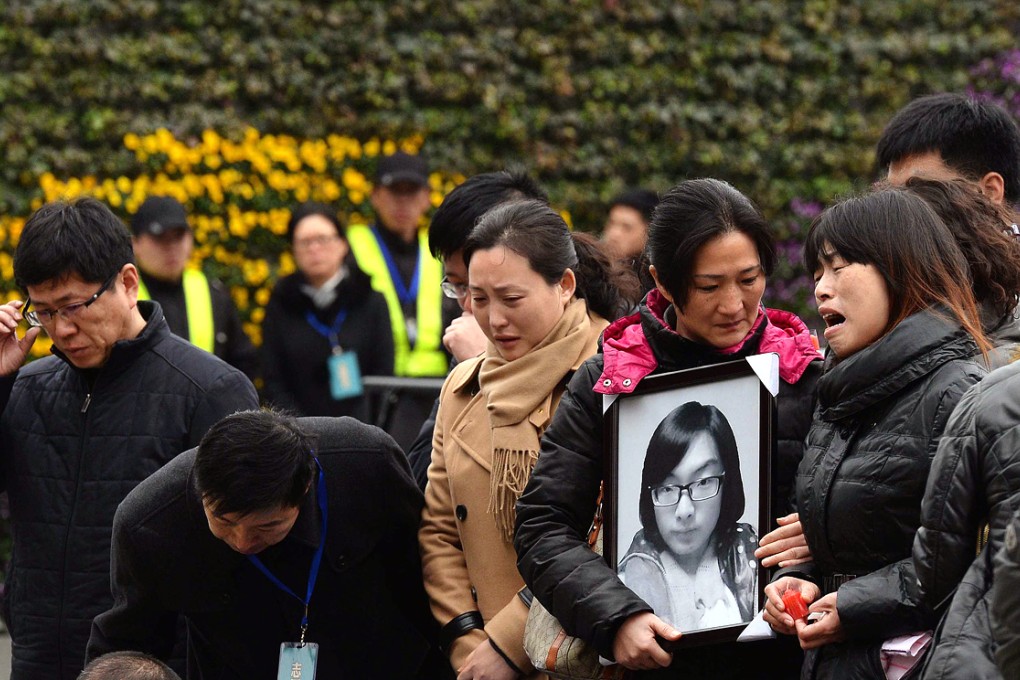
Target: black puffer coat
x,y
878,422
975,479
71,451
1005,602
295,355
555,511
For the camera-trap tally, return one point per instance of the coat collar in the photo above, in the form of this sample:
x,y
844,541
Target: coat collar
x,y
917,346
352,289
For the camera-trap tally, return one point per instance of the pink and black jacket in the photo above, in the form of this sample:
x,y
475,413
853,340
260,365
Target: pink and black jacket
x,y
555,511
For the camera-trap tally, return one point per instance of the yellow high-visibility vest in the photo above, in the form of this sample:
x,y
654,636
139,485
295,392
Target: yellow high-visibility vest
x,y
426,358
197,305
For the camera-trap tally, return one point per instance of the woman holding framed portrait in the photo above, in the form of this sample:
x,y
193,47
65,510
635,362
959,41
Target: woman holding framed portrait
x,y
542,296
710,251
905,339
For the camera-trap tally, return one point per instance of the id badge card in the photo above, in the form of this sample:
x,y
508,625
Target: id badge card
x,y
297,661
344,376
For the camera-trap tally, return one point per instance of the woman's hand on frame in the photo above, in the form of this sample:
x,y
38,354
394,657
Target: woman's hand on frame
x,y
635,646
785,546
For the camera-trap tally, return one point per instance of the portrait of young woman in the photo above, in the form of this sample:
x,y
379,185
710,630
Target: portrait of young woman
x,y
693,560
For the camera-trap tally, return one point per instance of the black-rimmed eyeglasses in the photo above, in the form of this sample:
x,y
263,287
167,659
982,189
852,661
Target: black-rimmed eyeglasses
x,y
699,490
45,317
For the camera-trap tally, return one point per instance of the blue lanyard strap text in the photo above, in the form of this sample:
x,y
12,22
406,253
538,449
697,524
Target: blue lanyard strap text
x,y
313,572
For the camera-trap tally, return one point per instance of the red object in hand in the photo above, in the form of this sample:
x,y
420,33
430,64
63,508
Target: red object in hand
x,y
794,604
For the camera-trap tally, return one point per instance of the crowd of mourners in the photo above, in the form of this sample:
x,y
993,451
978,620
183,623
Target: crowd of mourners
x,y
168,520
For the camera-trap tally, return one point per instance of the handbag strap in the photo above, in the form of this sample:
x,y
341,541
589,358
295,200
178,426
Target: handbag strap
x,y
596,522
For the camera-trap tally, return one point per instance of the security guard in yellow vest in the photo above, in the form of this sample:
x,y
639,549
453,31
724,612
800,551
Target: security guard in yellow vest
x,y
196,308
394,253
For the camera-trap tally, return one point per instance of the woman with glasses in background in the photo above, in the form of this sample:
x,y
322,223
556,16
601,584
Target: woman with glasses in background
x,y
324,326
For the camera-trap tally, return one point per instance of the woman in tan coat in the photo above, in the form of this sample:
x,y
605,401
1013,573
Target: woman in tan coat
x,y
542,297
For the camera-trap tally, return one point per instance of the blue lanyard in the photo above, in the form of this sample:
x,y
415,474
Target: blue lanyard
x,y
313,572
404,294
331,333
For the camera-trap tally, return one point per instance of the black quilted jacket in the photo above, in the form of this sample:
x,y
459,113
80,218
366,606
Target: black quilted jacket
x,y
879,418
1005,605
70,452
975,479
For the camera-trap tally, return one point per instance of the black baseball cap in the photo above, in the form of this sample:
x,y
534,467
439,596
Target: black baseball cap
x,y
402,167
159,214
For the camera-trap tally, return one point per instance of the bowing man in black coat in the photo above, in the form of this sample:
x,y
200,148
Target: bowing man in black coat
x,y
188,539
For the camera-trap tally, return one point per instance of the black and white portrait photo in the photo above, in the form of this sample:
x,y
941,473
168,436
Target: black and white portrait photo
x,y
689,480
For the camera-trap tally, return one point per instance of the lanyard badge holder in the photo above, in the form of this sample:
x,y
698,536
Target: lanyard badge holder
x,y
298,659
344,371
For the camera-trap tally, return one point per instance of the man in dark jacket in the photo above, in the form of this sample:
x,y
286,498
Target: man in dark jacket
x,y
271,532
197,308
120,399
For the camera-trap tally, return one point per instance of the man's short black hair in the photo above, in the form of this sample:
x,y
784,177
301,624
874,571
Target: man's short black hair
x,y
254,461
973,137
460,210
127,665
80,237
642,200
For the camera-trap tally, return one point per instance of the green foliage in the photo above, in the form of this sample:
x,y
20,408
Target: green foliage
x,y
783,99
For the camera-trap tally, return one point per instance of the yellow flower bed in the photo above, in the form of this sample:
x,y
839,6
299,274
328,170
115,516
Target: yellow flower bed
x,y
238,194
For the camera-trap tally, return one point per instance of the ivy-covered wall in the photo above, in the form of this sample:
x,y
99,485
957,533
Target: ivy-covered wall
x,y
783,99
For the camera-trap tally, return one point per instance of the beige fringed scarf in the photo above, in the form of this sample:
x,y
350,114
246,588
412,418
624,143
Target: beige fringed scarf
x,y
513,389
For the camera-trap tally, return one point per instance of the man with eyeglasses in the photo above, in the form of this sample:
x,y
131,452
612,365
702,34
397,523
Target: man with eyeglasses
x,y
453,221
121,397
197,308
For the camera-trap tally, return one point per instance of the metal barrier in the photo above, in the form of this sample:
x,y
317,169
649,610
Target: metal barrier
x,y
400,405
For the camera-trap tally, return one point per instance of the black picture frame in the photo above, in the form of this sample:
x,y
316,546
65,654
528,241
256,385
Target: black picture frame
x,y
737,392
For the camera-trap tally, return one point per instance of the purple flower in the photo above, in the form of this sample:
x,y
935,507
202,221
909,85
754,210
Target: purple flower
x,y
807,209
